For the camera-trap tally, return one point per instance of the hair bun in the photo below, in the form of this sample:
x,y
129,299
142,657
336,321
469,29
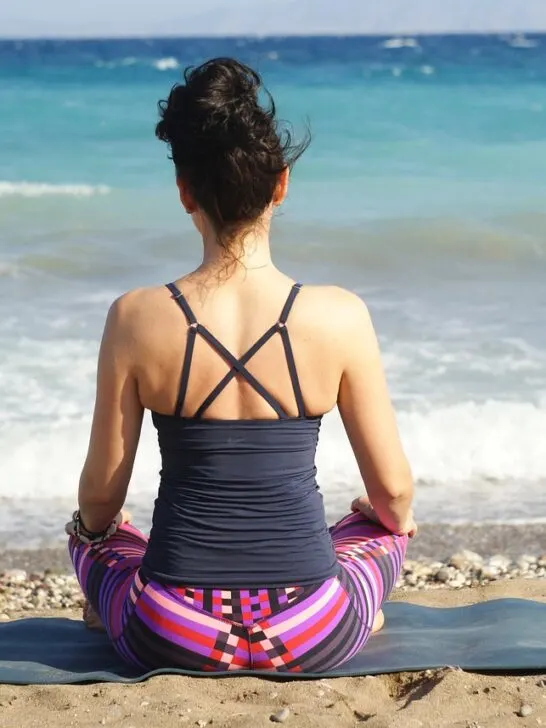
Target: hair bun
x,y
224,143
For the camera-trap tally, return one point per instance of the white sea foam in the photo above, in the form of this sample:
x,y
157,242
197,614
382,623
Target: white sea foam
x,y
43,189
450,444
473,459
8,269
472,462
166,64
521,41
400,43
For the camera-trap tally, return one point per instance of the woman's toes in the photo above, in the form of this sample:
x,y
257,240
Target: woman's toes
x,y
378,622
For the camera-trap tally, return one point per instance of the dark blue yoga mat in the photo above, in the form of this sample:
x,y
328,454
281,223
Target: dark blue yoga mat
x,y
500,635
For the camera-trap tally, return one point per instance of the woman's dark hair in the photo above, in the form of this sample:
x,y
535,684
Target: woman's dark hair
x,y
225,145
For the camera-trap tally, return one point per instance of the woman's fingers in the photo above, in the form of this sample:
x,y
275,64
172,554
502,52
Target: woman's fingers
x,y
362,505
359,503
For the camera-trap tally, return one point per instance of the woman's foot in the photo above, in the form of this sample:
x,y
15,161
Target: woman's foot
x,y
378,622
91,618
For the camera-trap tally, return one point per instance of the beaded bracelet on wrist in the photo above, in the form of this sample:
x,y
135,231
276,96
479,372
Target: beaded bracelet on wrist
x,y
92,537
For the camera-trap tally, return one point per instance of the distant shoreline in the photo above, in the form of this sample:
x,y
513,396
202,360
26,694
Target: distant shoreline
x,y
271,36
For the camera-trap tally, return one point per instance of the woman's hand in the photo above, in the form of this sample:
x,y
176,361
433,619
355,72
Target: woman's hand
x,y
363,505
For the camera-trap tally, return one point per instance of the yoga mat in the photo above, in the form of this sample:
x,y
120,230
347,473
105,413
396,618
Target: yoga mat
x,y
499,635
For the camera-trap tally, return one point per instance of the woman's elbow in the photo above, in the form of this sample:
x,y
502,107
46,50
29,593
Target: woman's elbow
x,y
397,486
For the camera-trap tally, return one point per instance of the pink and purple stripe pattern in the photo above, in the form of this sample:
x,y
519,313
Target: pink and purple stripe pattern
x,y
296,628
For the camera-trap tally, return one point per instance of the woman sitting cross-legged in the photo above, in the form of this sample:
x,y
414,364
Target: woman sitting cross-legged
x,y
237,364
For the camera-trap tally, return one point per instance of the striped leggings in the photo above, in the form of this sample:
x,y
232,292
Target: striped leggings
x,y
296,629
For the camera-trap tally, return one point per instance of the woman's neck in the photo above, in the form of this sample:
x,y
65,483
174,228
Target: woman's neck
x,y
250,252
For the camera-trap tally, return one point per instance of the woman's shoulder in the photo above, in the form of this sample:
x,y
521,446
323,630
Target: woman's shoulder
x,y
135,313
138,302
334,303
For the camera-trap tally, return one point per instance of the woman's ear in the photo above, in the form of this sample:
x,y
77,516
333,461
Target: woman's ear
x,y
186,198
281,190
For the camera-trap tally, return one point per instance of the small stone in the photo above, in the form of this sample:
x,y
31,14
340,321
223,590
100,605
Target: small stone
x,y
445,574
458,581
465,560
541,561
274,695
489,572
15,576
321,693
202,723
281,716
524,711
144,703
500,562
363,717
423,571
541,683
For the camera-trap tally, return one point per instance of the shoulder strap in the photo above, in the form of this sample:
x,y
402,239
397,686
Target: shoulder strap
x,y
290,361
289,303
181,301
190,343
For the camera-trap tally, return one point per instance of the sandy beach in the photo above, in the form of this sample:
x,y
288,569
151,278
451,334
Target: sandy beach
x,y
410,700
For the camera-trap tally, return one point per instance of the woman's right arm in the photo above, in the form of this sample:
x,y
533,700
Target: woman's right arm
x,y
368,416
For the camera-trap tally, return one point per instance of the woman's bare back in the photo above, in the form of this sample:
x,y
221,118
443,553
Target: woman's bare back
x,y
238,314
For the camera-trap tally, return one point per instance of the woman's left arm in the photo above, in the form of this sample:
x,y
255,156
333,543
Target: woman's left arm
x,y
117,423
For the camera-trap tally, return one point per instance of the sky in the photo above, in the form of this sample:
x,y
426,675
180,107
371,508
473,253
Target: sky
x,y
103,18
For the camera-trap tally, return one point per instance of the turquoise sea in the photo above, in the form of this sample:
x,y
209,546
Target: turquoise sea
x,y
424,190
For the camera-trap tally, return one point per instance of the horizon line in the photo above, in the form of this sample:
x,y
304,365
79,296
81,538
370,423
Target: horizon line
x,y
271,36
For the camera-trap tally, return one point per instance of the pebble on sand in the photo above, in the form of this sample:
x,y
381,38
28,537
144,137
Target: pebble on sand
x,y
27,591
281,716
524,711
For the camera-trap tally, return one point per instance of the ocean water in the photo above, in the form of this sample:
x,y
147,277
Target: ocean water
x,y
424,191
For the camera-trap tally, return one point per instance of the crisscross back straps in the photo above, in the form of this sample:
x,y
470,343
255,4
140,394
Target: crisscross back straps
x,y
238,366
